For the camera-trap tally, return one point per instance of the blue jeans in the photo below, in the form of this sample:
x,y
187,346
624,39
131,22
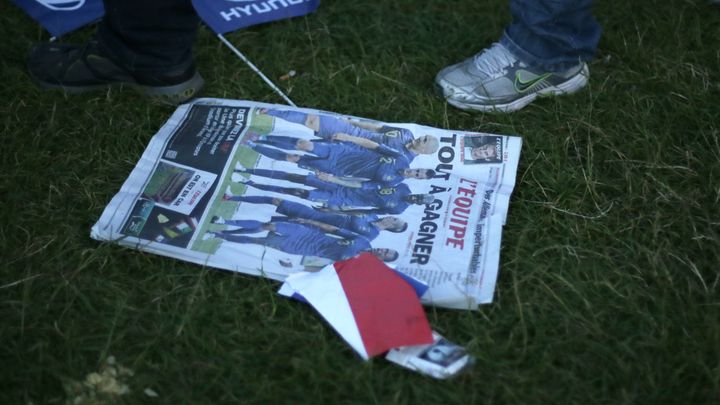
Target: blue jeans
x,y
552,35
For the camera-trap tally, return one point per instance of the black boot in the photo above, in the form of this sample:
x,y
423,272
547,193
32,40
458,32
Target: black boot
x,y
81,68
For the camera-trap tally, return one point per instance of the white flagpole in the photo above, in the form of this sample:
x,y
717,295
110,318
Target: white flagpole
x,y
256,70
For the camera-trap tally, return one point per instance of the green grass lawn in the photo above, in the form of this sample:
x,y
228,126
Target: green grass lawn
x,y
608,290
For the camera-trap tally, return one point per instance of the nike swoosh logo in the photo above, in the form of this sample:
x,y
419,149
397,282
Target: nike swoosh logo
x,y
522,86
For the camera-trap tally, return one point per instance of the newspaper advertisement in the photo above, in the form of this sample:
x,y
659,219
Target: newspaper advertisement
x,y
271,190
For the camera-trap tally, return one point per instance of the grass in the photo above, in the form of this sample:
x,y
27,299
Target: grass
x,y
609,281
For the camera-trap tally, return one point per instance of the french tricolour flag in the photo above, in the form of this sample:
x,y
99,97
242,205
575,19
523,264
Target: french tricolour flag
x,y
368,304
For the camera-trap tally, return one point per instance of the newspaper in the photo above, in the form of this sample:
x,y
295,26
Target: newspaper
x,y
271,190
441,359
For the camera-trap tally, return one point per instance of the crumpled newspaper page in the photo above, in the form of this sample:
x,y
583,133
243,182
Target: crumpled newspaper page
x,y
441,359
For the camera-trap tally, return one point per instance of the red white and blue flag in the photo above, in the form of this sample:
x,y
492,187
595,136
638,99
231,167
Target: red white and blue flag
x,y
367,303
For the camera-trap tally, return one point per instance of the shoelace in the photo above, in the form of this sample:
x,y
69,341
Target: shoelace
x,y
495,60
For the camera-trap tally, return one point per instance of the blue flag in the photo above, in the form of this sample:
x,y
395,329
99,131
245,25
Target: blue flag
x,y
62,16
229,15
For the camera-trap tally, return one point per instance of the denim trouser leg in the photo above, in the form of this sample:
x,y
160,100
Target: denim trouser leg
x,y
552,35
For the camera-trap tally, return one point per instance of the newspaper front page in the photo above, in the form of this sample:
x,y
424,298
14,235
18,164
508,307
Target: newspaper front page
x,y
271,190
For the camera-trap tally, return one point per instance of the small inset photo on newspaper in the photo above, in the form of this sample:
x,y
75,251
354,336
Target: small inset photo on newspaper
x,y
482,149
177,188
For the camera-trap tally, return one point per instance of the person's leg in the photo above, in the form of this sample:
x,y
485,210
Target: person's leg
x,y
238,238
146,45
296,117
252,199
274,154
149,38
329,126
244,226
312,180
277,174
324,126
298,192
543,52
552,35
282,142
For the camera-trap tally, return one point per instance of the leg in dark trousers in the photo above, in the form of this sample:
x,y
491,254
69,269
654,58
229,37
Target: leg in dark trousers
x,y
148,37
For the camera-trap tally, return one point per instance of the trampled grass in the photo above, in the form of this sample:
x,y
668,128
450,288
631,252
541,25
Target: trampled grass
x,y
609,285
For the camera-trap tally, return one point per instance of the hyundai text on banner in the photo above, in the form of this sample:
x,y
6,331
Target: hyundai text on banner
x,y
229,15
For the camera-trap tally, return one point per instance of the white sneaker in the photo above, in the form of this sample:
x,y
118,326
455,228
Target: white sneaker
x,y
494,80
228,193
237,178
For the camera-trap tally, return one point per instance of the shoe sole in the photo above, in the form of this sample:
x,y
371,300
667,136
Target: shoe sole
x,y
570,86
174,95
168,95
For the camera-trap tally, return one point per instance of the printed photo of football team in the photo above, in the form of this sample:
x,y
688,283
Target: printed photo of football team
x,y
335,192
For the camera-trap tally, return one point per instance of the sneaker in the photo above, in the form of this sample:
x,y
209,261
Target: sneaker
x,y
228,194
209,235
494,80
81,68
217,220
239,167
237,178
